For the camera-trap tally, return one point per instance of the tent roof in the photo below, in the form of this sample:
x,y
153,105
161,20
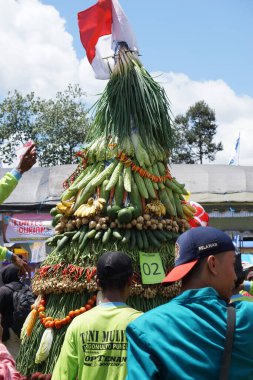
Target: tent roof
x,y
40,188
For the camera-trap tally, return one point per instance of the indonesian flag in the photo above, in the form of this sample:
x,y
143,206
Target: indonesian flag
x,y
101,27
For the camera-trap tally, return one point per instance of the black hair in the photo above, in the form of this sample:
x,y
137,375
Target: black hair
x,y
114,284
194,272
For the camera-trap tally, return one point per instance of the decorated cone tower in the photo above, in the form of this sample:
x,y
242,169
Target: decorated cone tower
x,y
122,197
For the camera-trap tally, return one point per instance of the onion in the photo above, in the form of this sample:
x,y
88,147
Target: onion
x,y
139,226
140,219
92,224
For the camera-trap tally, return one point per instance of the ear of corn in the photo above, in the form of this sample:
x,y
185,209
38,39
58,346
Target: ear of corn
x,y
157,173
171,185
161,168
104,174
149,186
31,322
127,175
141,185
115,176
171,198
178,204
119,191
180,186
97,169
135,199
167,203
150,170
103,193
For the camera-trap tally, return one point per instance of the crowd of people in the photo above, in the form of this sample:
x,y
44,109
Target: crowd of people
x,y
190,337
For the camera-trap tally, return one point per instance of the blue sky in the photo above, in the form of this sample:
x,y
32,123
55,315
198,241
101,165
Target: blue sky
x,y
205,39
197,50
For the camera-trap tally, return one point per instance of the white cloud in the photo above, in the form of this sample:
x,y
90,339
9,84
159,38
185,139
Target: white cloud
x,y
37,54
234,112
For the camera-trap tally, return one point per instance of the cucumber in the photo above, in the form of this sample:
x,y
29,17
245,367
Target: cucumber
x,y
53,239
133,239
91,234
76,236
99,235
83,243
126,237
82,233
70,234
56,219
139,240
53,211
144,239
167,234
117,235
153,242
159,235
106,236
62,243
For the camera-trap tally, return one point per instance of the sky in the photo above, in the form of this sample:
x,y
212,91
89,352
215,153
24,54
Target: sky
x,y
201,49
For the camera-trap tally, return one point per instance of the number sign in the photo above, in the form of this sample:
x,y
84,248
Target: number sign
x,y
152,271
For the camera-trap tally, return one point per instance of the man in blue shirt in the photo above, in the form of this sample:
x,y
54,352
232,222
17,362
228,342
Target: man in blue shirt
x,y
184,339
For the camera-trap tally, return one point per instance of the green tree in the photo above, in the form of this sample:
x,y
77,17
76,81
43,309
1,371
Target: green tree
x,y
57,126
193,135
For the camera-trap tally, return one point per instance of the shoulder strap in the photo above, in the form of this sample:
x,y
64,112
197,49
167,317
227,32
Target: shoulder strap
x,y
13,287
226,357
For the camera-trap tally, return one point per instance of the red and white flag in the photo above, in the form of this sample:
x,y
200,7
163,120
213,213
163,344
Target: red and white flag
x,y
101,27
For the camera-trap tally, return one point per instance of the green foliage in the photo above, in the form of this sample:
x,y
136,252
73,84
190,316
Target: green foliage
x,y
193,135
57,126
133,102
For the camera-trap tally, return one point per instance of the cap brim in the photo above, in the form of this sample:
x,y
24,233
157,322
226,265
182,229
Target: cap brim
x,y
179,272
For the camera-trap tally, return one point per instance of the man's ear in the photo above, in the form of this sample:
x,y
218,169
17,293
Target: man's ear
x,y
98,282
212,264
129,281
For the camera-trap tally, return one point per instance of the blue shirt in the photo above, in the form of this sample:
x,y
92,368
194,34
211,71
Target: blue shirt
x,y
184,339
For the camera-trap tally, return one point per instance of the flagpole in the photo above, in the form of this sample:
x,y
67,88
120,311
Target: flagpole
x,y
239,148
